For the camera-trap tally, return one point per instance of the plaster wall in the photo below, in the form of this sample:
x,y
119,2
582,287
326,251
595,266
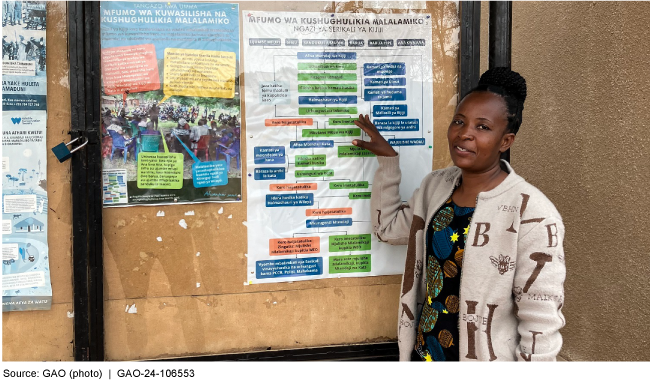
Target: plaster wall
x,y
584,143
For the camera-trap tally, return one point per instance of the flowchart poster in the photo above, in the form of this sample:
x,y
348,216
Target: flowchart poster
x,y
308,77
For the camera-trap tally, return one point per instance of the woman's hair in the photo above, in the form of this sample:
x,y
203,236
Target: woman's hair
x,y
509,85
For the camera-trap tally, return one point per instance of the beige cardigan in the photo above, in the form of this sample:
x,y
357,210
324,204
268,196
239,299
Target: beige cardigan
x,y
512,279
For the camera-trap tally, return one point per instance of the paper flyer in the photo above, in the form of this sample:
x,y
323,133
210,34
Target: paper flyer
x,y
170,103
308,77
25,265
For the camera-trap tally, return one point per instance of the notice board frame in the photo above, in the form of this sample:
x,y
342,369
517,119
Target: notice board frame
x,y
84,53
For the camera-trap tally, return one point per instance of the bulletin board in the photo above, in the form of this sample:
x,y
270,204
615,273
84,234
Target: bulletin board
x,y
175,276
172,291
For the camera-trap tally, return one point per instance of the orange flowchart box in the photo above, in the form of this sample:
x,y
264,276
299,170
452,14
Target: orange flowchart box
x,y
293,186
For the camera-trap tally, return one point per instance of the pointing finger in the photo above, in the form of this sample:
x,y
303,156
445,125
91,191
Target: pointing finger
x,y
359,143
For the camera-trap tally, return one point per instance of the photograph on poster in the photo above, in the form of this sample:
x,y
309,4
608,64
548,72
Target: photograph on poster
x,y
23,38
170,103
24,14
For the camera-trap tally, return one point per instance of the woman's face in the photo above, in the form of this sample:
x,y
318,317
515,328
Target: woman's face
x,y
477,133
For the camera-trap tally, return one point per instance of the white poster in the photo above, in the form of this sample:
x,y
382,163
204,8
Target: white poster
x,y
308,77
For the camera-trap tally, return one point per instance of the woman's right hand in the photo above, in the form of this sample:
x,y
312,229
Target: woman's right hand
x,y
377,144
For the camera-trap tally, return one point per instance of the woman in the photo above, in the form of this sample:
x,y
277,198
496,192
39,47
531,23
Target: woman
x,y
478,222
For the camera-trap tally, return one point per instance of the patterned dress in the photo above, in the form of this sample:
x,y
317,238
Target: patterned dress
x,y
437,334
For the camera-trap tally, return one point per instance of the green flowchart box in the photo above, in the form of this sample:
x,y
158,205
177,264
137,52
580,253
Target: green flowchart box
x,y
342,121
354,151
326,110
334,132
327,88
359,195
348,185
311,160
314,173
343,243
327,66
327,76
350,264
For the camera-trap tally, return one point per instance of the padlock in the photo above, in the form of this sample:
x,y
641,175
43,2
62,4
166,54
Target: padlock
x,y
62,152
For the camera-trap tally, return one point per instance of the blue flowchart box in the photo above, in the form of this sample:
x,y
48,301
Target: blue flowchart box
x,y
404,142
262,174
269,154
318,223
390,110
380,69
384,94
343,99
370,82
289,200
399,125
210,173
311,144
310,266
326,55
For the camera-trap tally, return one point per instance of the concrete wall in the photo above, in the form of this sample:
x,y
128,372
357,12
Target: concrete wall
x,y
584,143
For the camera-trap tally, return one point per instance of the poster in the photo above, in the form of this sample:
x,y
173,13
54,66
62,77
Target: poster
x,y
25,265
170,103
308,77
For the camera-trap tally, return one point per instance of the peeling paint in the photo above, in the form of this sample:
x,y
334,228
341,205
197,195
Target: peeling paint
x,y
132,309
160,213
230,216
70,314
198,284
198,254
182,223
159,238
190,212
244,223
220,211
136,269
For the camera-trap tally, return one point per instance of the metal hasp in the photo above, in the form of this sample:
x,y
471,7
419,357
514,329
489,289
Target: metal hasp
x,y
470,47
62,152
500,40
84,54
500,43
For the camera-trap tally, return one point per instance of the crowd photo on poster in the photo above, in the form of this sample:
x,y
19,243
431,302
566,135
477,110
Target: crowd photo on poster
x,y
21,39
209,127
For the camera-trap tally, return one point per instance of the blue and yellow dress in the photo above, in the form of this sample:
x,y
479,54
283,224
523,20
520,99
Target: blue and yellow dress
x,y
437,334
